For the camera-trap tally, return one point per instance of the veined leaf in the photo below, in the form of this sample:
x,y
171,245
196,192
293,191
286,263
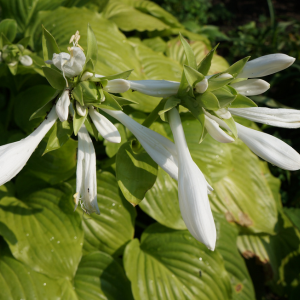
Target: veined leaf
x,y
188,52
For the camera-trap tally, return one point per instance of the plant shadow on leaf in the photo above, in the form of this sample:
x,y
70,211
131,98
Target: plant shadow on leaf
x,y
7,234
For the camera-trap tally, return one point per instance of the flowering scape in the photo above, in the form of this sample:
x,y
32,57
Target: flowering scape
x,y
84,98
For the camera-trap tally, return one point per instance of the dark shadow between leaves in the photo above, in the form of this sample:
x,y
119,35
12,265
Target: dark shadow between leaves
x,y
8,234
19,210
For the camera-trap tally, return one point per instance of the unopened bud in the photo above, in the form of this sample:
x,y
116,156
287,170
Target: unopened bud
x,y
201,86
224,76
223,113
117,86
86,76
81,110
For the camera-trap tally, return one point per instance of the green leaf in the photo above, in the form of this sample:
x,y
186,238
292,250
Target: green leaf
x,y
24,41
224,95
114,227
110,102
91,127
171,264
237,67
55,78
59,135
242,101
136,173
49,46
123,101
170,103
99,276
78,94
294,215
44,231
91,46
78,120
89,92
214,83
42,111
89,66
188,52
208,100
122,75
192,75
231,124
161,202
13,69
19,281
205,63
8,27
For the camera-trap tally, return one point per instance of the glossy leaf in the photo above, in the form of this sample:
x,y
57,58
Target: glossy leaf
x,y
110,102
78,94
89,92
224,95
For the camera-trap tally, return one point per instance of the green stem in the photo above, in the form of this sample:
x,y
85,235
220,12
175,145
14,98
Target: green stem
x,y
154,114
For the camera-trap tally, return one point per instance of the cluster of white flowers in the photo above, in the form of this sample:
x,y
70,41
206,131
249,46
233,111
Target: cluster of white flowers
x,y
175,159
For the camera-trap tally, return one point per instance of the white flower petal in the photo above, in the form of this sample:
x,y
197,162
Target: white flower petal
x,y
216,132
62,106
156,88
192,190
117,86
201,86
224,76
279,117
266,65
86,180
251,87
14,156
81,110
223,113
270,148
25,60
107,129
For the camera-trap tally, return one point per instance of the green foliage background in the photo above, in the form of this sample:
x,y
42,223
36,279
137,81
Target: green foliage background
x,y
142,252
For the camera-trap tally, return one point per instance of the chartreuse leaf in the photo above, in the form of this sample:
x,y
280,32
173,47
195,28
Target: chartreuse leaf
x,y
231,124
59,135
89,66
78,94
8,27
19,281
92,50
78,120
110,102
227,233
123,101
214,83
89,92
99,276
225,95
55,78
136,173
237,67
192,75
208,100
166,212
242,101
170,103
44,233
91,127
190,56
205,64
171,264
49,46
122,75
114,227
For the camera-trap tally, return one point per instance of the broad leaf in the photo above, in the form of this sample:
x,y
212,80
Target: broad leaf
x,y
55,78
208,100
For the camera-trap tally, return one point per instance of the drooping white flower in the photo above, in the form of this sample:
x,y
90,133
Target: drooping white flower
x,y
251,87
117,86
266,65
25,60
216,132
107,129
86,180
70,64
156,88
192,189
201,86
14,156
62,106
279,117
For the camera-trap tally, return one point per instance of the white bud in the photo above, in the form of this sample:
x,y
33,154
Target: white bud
x,y
224,76
86,76
81,110
117,86
201,86
223,113
62,106
25,60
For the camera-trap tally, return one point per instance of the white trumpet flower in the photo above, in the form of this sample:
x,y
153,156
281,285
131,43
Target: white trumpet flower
x,y
192,189
279,117
86,180
201,86
266,65
251,87
104,126
216,132
62,106
14,156
25,60
70,64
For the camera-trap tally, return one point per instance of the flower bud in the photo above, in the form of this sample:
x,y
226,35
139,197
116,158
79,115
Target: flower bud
x,y
62,106
25,60
224,76
81,110
223,113
117,86
201,86
86,76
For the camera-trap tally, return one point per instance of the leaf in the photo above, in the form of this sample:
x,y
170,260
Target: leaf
x,y
99,276
192,75
242,101
49,46
91,127
224,95
161,202
91,46
208,100
18,281
171,264
78,121
237,67
78,94
89,92
157,44
231,124
205,63
294,215
58,135
170,103
24,41
8,27
45,233
136,173
188,52
123,101
55,78
110,102
122,75
114,227
214,83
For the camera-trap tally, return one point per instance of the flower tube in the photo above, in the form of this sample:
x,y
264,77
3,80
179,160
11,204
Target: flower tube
x,y
192,189
14,156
